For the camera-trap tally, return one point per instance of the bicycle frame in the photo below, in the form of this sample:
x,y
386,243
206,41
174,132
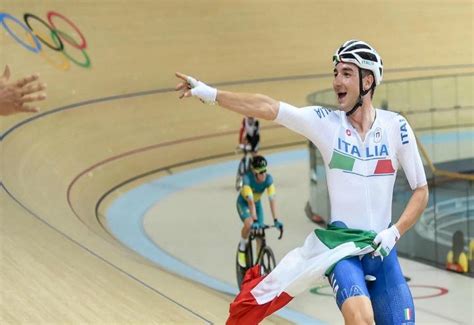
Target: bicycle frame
x,y
258,235
265,257
244,164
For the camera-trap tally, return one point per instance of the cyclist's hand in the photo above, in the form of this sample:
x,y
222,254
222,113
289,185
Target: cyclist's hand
x,y
255,225
278,224
386,240
189,86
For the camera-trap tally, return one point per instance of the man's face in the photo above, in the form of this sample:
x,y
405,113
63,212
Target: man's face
x,y
346,85
260,177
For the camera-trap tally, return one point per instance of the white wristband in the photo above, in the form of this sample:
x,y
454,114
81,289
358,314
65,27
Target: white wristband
x,y
204,92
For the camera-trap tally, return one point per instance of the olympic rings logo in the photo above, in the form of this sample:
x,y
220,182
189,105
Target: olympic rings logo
x,y
56,41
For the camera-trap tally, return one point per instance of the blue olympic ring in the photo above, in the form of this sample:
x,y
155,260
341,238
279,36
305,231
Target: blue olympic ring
x,y
38,48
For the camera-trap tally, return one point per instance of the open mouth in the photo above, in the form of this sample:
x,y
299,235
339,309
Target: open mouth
x,y
341,96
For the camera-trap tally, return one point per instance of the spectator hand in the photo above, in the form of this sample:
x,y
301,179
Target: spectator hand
x,y
386,240
15,95
277,224
193,87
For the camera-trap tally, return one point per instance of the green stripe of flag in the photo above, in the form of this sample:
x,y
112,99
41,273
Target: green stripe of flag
x,y
335,236
339,161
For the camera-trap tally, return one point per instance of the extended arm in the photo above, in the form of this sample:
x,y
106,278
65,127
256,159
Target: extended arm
x,y
255,105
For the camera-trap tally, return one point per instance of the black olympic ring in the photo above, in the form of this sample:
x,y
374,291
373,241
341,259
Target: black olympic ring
x,y
54,32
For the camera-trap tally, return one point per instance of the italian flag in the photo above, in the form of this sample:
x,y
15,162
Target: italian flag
x,y
299,270
379,166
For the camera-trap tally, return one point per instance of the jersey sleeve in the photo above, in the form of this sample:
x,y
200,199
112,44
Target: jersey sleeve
x,y
271,191
408,154
313,122
270,187
246,192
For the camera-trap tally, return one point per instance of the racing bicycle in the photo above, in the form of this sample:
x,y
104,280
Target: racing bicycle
x,y
261,254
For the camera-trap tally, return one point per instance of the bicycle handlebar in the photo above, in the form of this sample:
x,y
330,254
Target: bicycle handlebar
x,y
255,231
243,148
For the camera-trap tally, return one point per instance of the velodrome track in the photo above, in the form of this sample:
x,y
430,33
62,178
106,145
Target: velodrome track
x,y
119,118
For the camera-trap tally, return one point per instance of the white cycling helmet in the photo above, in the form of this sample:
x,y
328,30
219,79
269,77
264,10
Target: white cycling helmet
x,y
362,55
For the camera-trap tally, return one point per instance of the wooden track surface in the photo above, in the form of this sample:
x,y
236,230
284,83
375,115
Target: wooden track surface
x,y
58,265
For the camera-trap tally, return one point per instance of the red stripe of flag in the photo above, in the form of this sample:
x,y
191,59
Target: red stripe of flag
x,y
384,166
245,309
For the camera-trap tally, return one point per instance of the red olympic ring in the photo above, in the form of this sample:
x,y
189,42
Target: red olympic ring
x,y
83,43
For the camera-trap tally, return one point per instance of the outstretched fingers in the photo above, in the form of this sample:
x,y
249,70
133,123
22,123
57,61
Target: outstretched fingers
x,y
30,89
33,98
27,109
26,80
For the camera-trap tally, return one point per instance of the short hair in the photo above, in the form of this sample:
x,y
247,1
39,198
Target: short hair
x,y
365,73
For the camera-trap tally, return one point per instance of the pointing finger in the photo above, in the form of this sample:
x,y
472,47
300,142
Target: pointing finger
x,y
181,76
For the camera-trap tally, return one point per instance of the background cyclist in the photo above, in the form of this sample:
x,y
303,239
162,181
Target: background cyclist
x,y
249,206
250,134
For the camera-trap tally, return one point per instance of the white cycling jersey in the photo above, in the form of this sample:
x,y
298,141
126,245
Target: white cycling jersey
x,y
360,174
251,127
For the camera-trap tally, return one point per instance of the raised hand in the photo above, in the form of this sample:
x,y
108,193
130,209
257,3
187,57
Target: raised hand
x,y
14,96
189,86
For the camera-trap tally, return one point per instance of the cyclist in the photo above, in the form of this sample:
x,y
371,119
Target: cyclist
x,y
250,133
249,206
362,147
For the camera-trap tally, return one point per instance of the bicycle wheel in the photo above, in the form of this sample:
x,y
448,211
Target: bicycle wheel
x,y
266,260
239,270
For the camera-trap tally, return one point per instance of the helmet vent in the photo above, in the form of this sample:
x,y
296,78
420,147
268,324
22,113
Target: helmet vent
x,y
368,56
358,47
348,56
